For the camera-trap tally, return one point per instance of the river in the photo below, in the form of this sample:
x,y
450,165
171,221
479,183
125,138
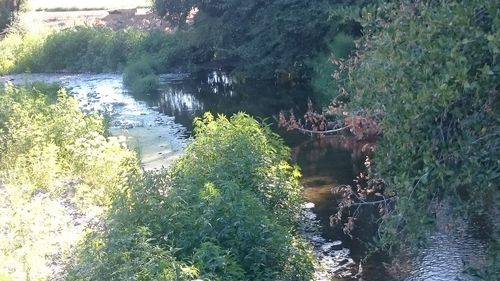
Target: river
x,y
159,126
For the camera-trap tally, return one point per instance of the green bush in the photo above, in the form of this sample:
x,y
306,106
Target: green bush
x,y
54,162
38,145
82,49
94,49
432,71
140,76
16,48
85,49
225,211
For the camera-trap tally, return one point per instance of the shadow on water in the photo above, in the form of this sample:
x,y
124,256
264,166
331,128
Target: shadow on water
x,y
454,246
325,163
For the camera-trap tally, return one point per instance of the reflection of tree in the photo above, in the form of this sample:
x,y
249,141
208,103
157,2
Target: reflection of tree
x,y
174,101
218,93
220,81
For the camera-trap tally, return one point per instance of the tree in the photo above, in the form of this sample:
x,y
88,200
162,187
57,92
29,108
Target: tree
x,y
431,70
176,11
8,11
266,39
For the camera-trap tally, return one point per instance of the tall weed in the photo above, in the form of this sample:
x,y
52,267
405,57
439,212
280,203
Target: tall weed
x,y
54,162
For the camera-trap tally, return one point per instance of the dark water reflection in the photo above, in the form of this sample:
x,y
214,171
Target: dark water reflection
x,y
325,163
328,162
217,93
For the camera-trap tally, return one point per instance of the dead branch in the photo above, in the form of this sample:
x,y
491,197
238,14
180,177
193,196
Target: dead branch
x,y
321,132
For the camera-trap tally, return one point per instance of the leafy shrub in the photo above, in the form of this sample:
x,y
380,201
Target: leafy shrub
x,y
38,145
82,49
16,47
433,73
264,170
94,49
86,49
225,211
140,76
54,161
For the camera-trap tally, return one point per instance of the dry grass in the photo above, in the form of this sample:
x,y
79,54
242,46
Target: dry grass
x,y
87,4
45,21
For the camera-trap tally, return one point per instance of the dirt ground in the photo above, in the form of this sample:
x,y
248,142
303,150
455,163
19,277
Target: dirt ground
x,y
114,19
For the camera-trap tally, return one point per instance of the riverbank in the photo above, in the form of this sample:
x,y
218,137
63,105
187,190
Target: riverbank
x,y
58,175
326,162
157,139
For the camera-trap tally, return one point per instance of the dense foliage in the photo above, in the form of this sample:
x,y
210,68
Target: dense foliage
x,y
140,76
55,163
83,49
432,71
141,55
225,211
88,49
283,40
262,39
426,70
326,88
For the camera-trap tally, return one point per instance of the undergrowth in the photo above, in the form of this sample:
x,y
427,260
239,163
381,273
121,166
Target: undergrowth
x,y
226,211
55,162
93,49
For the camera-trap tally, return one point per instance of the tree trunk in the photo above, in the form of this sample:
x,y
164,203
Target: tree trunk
x,y
12,6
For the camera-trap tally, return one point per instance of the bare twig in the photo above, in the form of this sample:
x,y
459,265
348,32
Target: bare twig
x,y
322,132
419,179
373,202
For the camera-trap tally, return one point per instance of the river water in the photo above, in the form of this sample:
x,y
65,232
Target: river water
x,y
159,126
